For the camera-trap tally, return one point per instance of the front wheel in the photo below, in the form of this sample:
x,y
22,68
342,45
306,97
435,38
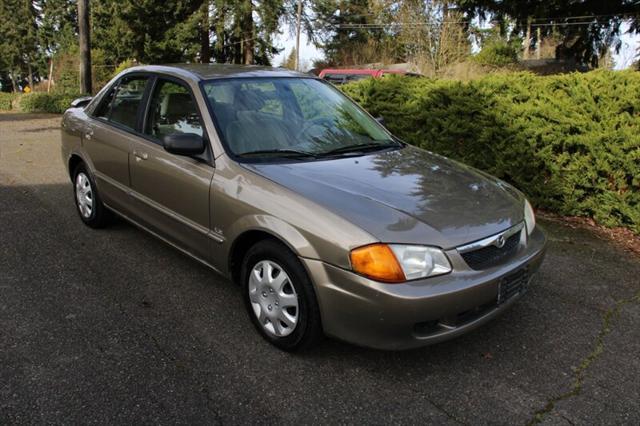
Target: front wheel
x,y
279,297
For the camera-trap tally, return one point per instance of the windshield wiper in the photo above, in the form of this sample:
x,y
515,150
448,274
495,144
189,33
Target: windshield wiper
x,y
278,152
361,147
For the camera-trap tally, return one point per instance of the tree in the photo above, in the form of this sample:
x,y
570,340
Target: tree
x,y
432,34
58,25
290,60
342,30
158,31
588,27
429,33
19,41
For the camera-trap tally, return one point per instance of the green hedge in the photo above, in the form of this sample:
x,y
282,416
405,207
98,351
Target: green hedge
x,y
56,103
7,101
570,142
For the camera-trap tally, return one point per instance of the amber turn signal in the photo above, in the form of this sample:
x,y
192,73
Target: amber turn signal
x,y
377,261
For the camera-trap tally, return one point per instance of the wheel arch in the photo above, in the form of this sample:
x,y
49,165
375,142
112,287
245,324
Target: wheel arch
x,y
74,160
244,241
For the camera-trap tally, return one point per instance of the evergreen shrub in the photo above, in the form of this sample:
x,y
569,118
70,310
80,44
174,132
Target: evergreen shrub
x,y
570,142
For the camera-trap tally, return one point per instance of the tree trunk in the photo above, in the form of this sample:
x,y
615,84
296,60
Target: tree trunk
x,y
13,83
246,32
30,75
85,46
220,50
527,41
205,47
50,79
299,19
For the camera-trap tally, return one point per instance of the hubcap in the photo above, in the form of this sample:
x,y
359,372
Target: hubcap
x,y
84,195
273,298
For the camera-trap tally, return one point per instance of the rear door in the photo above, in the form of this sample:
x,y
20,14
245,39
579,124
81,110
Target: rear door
x,y
171,192
109,136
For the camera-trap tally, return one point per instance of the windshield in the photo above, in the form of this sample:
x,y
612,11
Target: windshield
x,y
288,117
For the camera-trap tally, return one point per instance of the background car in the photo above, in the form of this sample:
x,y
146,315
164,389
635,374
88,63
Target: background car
x,y
339,76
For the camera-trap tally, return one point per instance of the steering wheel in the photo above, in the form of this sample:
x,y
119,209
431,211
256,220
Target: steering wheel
x,y
321,123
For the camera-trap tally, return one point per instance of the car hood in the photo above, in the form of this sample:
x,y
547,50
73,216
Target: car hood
x,y
406,195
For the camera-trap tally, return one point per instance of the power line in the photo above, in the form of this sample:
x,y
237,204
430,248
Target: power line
x,y
427,24
468,21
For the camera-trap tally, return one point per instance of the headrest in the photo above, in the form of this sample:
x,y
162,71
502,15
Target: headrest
x,y
248,100
179,104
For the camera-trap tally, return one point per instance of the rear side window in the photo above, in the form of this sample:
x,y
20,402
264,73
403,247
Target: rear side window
x,y
120,105
172,110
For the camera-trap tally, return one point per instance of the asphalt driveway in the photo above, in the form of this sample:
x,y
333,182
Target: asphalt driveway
x,y
113,326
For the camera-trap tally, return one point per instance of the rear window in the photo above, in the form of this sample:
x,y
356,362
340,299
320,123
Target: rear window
x,y
335,78
345,78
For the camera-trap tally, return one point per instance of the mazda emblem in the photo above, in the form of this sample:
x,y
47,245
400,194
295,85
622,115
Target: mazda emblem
x,y
500,241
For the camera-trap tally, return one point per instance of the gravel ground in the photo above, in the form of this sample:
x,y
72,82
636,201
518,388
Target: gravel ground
x,y
113,326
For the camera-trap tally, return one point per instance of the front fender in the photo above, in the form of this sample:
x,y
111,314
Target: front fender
x,y
278,228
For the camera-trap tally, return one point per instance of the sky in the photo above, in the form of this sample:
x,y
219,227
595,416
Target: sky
x,y
308,52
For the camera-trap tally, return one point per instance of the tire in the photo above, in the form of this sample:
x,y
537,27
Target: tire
x,y
88,203
284,308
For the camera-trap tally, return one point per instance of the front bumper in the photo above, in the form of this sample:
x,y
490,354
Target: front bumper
x,y
421,312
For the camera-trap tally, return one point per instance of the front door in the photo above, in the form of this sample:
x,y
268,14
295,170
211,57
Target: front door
x,y
109,135
171,192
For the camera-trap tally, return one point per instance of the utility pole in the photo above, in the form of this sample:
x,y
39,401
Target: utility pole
x,y
85,46
298,35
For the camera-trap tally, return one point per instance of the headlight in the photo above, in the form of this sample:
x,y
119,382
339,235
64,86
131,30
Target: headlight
x,y
394,263
529,217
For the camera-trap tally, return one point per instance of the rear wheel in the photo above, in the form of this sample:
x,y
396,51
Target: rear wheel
x,y
89,205
279,297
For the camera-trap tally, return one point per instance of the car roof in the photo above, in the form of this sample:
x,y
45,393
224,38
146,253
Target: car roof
x,y
210,71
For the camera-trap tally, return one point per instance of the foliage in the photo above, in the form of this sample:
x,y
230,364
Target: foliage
x,y
18,43
31,32
430,34
46,102
66,70
570,142
289,61
588,27
127,63
498,53
167,31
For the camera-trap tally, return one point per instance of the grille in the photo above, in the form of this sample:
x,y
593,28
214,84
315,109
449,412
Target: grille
x,y
512,285
489,256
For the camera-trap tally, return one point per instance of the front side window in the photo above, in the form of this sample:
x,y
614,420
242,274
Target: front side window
x,y
172,110
290,116
123,108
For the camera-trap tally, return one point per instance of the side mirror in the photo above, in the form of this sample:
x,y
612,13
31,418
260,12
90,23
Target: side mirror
x,y
183,144
380,120
81,102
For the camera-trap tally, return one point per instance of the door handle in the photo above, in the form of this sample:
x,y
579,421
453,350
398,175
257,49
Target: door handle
x,y
140,155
